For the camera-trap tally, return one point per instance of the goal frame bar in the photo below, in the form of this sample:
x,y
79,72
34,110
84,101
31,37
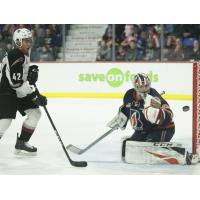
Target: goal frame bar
x,y
196,108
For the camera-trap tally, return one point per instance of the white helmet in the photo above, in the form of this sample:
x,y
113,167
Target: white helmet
x,y
21,34
142,83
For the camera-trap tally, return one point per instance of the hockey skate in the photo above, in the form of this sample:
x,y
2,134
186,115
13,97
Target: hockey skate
x,y
24,148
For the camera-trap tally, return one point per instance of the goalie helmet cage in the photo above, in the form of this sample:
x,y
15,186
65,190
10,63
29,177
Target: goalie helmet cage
x,y
196,109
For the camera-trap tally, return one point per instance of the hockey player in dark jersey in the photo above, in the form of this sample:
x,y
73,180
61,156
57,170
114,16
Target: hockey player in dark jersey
x,y
149,114
17,93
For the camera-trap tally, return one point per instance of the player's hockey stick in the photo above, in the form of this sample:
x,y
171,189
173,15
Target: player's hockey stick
x,y
76,150
72,162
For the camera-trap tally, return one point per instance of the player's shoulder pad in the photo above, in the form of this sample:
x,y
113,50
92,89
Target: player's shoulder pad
x,y
129,94
153,92
15,56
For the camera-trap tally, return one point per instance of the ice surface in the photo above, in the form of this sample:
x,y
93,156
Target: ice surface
x,y
79,122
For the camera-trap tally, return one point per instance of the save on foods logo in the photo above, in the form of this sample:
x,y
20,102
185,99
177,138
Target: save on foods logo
x,y
114,77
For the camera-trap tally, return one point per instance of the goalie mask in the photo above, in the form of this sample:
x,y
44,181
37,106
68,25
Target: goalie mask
x,y
142,84
21,34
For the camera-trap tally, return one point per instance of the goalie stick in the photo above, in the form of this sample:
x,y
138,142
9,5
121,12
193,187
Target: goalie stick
x,y
79,151
72,162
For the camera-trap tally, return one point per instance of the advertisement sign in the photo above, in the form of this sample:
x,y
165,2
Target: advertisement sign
x,y
93,78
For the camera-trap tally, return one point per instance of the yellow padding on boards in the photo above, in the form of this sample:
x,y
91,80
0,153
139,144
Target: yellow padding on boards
x,y
184,97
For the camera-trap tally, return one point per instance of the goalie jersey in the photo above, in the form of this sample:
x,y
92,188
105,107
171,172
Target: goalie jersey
x,y
133,108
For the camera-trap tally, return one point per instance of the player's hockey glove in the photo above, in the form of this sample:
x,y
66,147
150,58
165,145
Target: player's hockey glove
x,y
32,74
40,100
119,120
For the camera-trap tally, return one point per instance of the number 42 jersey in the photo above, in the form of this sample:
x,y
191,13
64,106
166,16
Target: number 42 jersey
x,y
13,74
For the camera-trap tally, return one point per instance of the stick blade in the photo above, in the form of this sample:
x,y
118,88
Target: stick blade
x,y
74,149
79,163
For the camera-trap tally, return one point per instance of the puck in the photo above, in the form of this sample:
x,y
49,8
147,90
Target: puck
x,y
186,108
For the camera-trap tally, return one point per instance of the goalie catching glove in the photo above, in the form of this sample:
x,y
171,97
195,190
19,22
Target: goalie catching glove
x,y
152,110
119,120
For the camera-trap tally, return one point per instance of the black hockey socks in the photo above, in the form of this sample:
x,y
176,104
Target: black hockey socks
x,y
26,134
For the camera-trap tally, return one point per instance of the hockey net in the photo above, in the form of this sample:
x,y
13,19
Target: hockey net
x,y
196,110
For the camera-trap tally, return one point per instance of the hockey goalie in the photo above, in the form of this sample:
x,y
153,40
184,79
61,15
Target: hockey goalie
x,y
152,120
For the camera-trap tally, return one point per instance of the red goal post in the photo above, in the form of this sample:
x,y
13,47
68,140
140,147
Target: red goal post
x,y
196,109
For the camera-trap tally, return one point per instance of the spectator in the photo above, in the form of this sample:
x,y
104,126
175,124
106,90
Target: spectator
x,y
120,55
154,38
141,45
108,36
195,54
170,44
45,54
36,42
119,33
39,33
177,53
129,35
104,52
151,52
131,51
48,39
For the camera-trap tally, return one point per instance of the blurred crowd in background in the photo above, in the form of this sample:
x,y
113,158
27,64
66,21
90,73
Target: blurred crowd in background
x,y
141,42
47,40
132,42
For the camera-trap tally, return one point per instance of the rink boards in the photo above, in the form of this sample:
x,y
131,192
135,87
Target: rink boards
x,y
111,80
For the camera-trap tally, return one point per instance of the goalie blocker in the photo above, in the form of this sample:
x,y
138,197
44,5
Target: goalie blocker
x,y
155,153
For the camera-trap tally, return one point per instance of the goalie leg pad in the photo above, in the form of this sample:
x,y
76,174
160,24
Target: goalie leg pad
x,y
155,153
137,136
